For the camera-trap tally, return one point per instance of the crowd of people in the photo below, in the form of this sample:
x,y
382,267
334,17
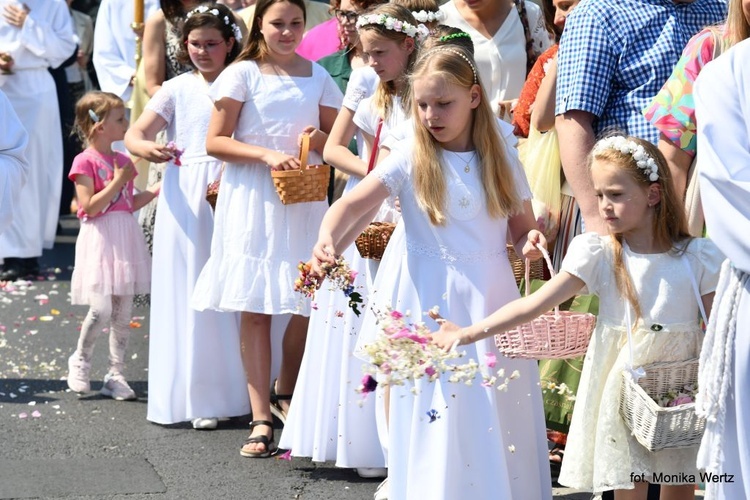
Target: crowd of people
x,y
482,130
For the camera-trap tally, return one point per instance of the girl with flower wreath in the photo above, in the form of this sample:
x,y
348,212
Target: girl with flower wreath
x,y
195,370
460,192
326,420
263,103
640,271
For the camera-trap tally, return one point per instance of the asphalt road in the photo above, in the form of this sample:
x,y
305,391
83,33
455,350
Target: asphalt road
x,y
57,444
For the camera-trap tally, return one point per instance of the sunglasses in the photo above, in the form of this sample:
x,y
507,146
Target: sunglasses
x,y
346,15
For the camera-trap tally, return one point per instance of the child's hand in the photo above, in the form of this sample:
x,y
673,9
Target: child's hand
x,y
317,138
124,174
323,251
450,334
157,153
530,250
281,161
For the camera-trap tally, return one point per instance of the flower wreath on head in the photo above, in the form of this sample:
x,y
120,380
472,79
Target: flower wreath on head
x,y
419,32
642,159
202,9
428,17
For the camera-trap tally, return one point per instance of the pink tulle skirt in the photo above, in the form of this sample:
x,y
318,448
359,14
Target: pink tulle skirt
x,y
111,258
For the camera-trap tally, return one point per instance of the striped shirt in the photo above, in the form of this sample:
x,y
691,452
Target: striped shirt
x,y
615,55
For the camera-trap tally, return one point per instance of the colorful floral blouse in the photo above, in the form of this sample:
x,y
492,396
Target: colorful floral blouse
x,y
673,110
522,111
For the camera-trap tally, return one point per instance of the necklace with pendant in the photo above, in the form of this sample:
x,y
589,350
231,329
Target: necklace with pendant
x,y
467,164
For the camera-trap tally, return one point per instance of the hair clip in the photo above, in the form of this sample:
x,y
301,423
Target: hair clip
x,y
93,116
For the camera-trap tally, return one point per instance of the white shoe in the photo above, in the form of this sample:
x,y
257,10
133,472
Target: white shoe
x,y
381,493
116,387
203,423
371,472
78,373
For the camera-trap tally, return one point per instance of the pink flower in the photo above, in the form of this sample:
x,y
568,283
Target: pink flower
x,y
681,400
490,359
287,455
430,371
396,315
352,275
369,384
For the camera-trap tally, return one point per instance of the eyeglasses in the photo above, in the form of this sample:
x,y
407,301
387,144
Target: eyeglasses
x,y
208,46
346,15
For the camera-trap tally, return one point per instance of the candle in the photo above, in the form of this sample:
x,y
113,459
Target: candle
x,y
138,12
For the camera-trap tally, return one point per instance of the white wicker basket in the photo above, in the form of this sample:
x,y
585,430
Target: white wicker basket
x,y
655,427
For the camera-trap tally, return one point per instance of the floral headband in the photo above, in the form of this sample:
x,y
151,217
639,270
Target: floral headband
x,y
642,159
202,9
428,17
419,32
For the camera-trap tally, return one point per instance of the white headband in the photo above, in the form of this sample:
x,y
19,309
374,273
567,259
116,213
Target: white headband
x,y
202,9
419,32
642,159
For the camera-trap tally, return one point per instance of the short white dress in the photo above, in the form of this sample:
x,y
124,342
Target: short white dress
x,y
258,241
452,440
328,419
195,368
600,453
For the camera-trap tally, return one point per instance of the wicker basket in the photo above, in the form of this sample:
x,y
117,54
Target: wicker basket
x,y
553,335
212,190
655,427
372,241
536,271
308,183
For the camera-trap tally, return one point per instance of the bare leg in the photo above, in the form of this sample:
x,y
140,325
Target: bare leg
x,y
255,346
677,492
640,492
293,347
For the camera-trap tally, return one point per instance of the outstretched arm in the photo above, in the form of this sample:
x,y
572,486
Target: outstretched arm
x,y
140,138
344,220
554,292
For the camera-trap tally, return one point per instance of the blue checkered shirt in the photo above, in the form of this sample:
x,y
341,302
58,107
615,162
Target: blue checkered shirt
x,y
615,55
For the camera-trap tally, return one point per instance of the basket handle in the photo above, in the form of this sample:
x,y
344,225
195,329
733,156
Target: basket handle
x,y
527,272
303,151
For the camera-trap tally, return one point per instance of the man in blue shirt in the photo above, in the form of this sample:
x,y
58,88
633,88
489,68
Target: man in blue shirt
x,y
614,57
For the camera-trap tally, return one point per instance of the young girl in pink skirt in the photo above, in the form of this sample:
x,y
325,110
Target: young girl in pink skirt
x,y
112,262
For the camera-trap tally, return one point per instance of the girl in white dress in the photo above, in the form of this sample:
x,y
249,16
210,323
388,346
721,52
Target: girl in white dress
x,y
328,420
195,370
262,104
460,194
641,266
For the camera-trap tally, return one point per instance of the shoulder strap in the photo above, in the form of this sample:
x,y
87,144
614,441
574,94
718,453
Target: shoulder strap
x,y
375,146
697,292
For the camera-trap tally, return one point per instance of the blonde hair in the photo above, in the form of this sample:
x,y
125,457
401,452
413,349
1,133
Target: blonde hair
x,y
454,66
669,224
95,103
737,28
383,97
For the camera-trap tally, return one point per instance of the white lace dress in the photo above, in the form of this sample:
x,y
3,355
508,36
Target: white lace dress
x,y
600,453
195,368
257,240
328,420
481,443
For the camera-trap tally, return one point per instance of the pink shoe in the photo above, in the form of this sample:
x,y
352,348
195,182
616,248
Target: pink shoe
x,y
116,387
78,373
